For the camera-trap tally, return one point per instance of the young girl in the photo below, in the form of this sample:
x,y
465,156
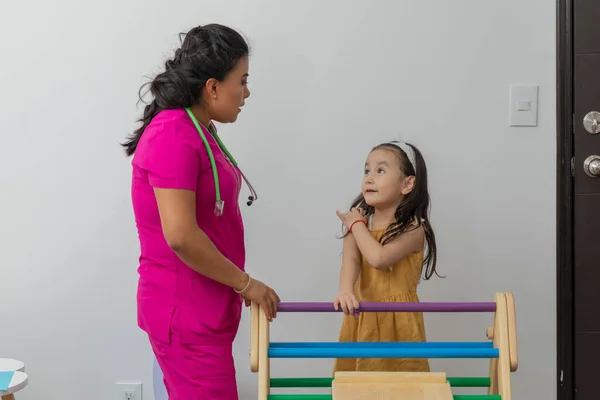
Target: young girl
x,y
387,231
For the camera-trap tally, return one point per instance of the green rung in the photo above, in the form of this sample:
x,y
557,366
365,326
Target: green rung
x,y
326,382
300,382
299,397
328,397
468,381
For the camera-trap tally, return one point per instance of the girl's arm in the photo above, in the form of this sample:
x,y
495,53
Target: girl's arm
x,y
382,256
351,259
350,265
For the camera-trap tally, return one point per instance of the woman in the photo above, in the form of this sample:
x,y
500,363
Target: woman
x,y
185,201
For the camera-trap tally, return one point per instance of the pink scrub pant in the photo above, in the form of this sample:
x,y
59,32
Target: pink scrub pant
x,y
196,372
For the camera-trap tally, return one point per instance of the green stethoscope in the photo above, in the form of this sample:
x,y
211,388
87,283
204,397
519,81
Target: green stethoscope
x,y
219,204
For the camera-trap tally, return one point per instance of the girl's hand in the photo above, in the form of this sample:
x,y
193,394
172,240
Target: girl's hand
x,y
355,214
347,301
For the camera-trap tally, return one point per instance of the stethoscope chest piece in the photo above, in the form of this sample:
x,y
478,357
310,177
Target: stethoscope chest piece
x,y
219,208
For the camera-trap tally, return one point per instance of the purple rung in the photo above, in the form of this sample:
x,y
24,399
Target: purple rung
x,y
391,307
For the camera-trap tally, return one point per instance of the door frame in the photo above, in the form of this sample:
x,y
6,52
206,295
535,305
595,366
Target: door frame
x,y
564,201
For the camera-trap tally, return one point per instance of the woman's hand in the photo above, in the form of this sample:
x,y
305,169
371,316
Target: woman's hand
x,y
355,214
264,296
347,301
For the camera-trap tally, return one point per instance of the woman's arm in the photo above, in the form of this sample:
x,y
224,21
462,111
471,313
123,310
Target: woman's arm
x,y
177,210
382,256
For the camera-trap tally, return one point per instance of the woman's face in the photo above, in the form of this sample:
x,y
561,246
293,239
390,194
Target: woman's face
x,y
226,99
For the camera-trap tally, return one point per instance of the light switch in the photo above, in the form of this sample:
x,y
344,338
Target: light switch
x,y
523,105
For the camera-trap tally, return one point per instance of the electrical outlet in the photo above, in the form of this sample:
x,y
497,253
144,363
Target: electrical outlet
x,y
128,391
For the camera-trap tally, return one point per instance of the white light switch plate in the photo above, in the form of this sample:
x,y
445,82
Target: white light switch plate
x,y
523,105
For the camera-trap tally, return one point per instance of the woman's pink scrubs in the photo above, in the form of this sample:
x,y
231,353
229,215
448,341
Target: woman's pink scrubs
x,y
191,320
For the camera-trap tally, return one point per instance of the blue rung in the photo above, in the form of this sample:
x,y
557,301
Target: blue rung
x,y
387,345
381,352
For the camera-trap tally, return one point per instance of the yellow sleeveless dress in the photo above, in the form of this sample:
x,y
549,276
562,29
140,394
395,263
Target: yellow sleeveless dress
x,y
398,284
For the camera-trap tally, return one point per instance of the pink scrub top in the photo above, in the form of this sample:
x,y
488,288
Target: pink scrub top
x,y
171,154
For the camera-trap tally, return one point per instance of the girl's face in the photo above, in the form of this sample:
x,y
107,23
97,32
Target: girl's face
x,y
226,99
384,184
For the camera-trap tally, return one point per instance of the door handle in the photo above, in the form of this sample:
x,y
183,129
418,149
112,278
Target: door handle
x,y
591,122
591,166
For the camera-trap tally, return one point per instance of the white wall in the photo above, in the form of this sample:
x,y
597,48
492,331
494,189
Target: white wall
x,y
329,80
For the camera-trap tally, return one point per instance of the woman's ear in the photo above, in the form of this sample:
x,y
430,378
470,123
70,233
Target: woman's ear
x,y
211,89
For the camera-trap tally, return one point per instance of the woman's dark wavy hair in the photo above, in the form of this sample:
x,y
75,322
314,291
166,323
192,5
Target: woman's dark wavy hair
x,y
414,207
209,51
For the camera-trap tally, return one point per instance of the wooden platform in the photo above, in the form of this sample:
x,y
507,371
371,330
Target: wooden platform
x,y
390,386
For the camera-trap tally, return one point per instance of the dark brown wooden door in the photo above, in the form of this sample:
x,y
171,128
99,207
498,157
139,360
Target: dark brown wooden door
x,y
586,197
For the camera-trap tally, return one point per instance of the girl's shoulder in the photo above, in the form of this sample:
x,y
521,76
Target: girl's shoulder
x,y
414,222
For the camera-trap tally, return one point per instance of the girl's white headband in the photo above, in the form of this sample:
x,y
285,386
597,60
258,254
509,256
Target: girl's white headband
x,y
410,153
